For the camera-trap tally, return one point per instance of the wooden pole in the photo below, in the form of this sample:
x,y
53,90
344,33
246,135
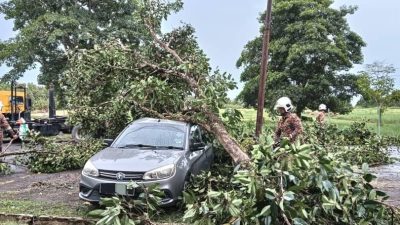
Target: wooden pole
x,y
263,70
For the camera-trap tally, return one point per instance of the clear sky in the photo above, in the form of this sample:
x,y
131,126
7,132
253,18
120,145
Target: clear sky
x,y
223,27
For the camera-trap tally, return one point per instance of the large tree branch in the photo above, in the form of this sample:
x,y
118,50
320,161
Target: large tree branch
x,y
146,64
23,153
162,44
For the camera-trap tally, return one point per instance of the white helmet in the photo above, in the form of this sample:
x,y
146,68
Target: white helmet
x,y
322,107
284,102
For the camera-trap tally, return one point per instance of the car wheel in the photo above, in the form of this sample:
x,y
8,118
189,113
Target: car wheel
x,y
78,135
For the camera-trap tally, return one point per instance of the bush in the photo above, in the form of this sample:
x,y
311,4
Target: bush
x,y
293,184
356,143
56,157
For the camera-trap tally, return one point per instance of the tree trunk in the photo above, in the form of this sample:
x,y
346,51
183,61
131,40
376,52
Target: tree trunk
x,y
379,120
225,139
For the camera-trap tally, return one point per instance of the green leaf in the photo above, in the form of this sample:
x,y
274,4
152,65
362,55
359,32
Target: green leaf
x,y
299,221
214,194
369,177
372,195
288,196
189,214
265,211
365,167
95,213
270,194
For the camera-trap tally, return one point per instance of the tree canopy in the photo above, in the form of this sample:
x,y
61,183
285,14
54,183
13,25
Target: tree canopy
x,y
311,49
376,84
48,29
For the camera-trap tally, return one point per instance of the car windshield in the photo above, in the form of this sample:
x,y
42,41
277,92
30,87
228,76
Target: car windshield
x,y
152,136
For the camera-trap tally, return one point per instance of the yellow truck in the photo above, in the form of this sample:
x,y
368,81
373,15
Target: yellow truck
x,y
15,103
18,102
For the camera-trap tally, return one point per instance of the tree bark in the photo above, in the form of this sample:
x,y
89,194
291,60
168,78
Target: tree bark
x,y
229,143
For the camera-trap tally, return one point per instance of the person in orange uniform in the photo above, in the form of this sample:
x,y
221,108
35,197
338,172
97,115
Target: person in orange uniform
x,y
321,114
290,124
5,126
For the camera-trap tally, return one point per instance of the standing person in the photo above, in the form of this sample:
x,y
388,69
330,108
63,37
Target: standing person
x,y
23,130
290,124
321,114
5,126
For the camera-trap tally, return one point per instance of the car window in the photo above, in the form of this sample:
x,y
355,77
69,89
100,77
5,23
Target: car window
x,y
195,134
153,135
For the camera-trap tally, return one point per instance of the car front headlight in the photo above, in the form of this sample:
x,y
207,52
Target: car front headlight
x,y
160,173
90,170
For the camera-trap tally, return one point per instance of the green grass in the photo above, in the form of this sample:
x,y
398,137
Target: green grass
x,y
42,208
10,223
390,127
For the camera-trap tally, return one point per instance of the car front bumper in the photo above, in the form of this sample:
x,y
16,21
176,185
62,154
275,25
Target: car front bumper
x,y
90,188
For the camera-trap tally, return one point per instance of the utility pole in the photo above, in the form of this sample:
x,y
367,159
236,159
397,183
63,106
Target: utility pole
x,y
264,68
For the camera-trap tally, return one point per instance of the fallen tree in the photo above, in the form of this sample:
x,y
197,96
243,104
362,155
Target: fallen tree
x,y
166,76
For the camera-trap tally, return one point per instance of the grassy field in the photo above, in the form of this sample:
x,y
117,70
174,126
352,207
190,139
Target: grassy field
x,y
390,127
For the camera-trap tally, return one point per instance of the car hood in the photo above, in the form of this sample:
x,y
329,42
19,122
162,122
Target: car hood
x,y
134,160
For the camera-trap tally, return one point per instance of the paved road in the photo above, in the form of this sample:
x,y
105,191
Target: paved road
x,y
388,179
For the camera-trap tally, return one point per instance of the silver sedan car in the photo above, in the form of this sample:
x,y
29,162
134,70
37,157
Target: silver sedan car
x,y
148,151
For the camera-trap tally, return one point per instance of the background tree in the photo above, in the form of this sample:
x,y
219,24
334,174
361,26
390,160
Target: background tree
x,y
311,48
47,29
377,85
40,97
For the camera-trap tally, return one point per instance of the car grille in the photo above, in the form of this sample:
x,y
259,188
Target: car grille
x,y
127,175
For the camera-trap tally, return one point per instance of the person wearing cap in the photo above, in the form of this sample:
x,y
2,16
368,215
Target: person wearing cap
x,y
321,114
5,126
290,124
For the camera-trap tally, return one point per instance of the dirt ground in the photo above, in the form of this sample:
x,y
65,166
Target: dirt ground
x,y
63,187
53,188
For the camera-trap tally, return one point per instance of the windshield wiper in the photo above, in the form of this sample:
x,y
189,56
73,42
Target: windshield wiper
x,y
170,147
137,145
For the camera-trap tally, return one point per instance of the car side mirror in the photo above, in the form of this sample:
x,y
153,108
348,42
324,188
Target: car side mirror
x,y
108,142
197,146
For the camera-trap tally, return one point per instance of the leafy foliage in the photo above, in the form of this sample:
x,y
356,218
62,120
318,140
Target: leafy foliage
x,y
297,184
129,211
56,157
355,144
311,45
4,168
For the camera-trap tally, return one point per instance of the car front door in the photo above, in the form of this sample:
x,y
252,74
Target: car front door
x,y
196,151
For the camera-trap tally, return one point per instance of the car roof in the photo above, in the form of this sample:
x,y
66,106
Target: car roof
x,y
160,121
